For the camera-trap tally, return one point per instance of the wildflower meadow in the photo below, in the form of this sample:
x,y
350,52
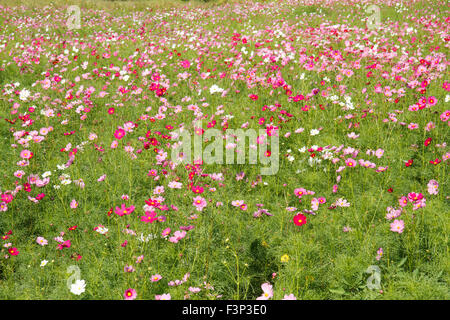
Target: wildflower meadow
x,y
224,150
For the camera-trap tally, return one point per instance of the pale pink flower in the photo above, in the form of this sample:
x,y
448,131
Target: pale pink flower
x,y
199,203
397,226
73,204
155,277
267,291
433,187
164,296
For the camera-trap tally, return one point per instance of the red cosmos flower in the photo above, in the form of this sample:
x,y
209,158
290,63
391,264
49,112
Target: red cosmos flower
x,y
65,244
153,141
268,153
40,196
161,91
110,211
427,142
13,251
152,202
111,110
390,190
299,219
76,256
409,163
27,187
254,97
435,162
73,228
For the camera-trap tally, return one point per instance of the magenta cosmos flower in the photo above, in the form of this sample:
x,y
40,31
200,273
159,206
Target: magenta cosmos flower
x,y
119,134
124,210
130,294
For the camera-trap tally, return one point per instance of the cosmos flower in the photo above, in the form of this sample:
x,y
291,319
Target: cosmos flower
x,y
155,278
78,287
199,203
119,134
267,291
130,294
397,226
299,219
41,241
164,296
123,210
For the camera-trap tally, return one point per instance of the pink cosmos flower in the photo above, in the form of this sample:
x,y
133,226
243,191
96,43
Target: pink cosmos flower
x,y
123,210
73,204
350,162
177,236
65,244
403,201
119,134
150,217
379,153
41,241
26,154
164,296
379,254
397,226
128,268
155,278
289,297
267,291
185,64
194,289
130,294
433,187
165,232
299,192
199,203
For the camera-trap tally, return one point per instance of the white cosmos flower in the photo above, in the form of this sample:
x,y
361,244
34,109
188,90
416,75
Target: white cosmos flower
x,y
43,263
78,287
24,94
46,174
215,88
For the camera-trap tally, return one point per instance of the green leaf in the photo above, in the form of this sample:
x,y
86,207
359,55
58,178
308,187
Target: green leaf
x,y
402,262
337,291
